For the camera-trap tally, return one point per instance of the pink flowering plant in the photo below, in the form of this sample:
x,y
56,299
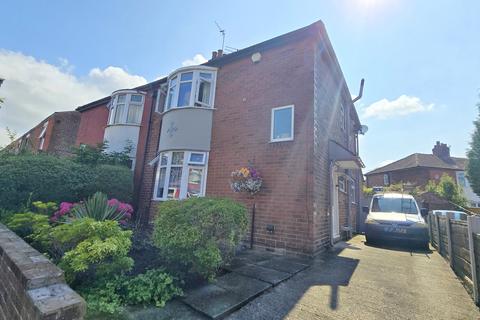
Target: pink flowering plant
x,y
98,207
246,179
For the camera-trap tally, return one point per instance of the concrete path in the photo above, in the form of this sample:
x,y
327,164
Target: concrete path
x,y
357,281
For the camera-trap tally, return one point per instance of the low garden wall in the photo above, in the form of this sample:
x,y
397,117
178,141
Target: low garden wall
x,y
31,287
459,243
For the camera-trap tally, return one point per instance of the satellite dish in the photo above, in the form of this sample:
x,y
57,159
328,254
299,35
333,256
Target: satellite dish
x,y
363,129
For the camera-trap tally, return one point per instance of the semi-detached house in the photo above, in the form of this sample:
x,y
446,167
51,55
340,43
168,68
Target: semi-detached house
x,y
282,106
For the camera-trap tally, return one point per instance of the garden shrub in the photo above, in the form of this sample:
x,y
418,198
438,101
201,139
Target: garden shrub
x,y
49,178
32,227
109,295
97,207
199,234
87,248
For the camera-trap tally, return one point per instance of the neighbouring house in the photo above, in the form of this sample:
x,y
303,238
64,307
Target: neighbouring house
x,y
419,168
282,106
56,135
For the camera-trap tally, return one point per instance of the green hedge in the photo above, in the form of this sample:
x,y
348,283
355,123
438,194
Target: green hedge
x,y
49,178
199,235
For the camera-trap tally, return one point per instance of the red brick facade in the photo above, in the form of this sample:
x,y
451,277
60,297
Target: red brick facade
x,y
418,176
92,125
59,136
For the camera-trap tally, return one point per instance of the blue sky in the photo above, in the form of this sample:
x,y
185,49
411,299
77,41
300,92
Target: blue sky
x,y
420,59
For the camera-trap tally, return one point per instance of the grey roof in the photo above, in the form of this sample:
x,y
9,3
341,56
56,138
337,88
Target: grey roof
x,y
422,160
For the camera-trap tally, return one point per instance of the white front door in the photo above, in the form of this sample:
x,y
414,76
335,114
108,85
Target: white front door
x,y
335,208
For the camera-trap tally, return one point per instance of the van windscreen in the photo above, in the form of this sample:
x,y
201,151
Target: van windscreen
x,y
381,204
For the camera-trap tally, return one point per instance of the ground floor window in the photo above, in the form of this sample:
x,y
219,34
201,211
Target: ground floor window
x,y
180,175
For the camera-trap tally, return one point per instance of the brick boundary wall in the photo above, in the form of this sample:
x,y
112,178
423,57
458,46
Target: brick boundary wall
x,y
31,287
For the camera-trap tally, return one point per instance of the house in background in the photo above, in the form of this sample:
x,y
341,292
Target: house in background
x,y
282,106
56,135
418,168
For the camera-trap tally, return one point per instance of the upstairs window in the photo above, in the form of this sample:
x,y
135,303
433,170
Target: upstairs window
x,y
190,89
126,108
282,124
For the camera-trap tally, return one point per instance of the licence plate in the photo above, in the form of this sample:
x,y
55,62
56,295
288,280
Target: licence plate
x,y
395,230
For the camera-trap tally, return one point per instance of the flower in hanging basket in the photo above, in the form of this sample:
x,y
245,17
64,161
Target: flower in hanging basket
x,y
246,179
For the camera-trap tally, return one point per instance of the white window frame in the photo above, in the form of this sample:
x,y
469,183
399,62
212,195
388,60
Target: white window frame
x,y
272,123
187,164
342,184
386,179
194,92
343,117
127,103
42,135
352,190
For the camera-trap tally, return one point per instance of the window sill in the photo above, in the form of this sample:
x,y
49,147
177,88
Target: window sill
x,y
280,140
124,125
187,108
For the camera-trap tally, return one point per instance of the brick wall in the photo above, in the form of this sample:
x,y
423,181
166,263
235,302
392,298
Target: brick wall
x,y
63,132
245,95
330,91
92,125
31,287
418,176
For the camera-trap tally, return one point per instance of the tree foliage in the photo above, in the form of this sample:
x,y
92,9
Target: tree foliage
x,y
473,164
99,154
448,189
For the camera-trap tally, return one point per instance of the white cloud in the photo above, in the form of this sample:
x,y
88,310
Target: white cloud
x,y
34,89
197,59
403,105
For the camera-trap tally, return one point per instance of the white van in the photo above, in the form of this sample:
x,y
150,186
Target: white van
x,y
396,216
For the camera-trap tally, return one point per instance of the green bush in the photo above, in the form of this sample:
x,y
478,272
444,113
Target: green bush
x,y
32,227
152,287
46,208
92,249
199,234
49,178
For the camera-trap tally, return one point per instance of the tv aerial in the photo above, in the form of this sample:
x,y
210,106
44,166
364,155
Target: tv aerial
x,y
222,31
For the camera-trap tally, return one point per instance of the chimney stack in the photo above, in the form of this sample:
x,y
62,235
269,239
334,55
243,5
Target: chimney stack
x,y
441,150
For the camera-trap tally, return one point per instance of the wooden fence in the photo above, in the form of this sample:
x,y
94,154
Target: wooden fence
x,y
459,243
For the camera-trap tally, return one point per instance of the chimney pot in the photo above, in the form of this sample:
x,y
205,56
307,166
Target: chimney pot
x,y
220,53
214,54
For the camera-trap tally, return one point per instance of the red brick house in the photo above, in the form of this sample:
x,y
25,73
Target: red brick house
x,y
418,169
281,105
56,134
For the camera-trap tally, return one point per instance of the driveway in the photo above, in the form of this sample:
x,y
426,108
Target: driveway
x,y
357,281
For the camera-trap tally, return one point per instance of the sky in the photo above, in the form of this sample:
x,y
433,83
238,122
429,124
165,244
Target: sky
x,y
420,59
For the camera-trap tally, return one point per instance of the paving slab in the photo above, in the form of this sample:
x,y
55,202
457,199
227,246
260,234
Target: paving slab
x,y
271,276
247,258
283,264
172,310
226,295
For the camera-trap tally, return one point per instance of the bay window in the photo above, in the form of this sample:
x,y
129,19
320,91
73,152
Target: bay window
x,y
180,175
190,88
126,108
